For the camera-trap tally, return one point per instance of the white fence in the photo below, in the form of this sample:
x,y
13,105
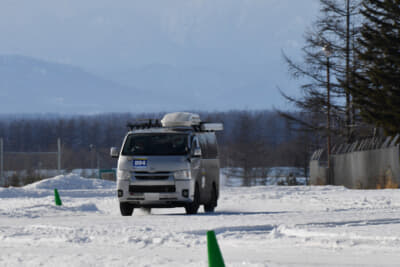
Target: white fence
x,y
4,154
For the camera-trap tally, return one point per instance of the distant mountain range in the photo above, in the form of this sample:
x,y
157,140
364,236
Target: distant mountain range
x,y
210,87
29,85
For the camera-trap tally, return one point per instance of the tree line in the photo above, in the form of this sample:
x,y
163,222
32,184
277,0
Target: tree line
x,y
250,140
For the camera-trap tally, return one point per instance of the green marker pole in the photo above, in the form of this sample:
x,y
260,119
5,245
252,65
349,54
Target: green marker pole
x,y
57,198
214,253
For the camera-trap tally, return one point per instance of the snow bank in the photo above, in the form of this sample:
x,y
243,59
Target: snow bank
x,y
48,209
71,182
71,185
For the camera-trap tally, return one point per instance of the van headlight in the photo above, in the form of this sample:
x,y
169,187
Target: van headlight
x,y
124,175
182,175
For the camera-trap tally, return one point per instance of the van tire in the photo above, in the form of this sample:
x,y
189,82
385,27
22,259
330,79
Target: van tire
x,y
126,209
192,207
210,206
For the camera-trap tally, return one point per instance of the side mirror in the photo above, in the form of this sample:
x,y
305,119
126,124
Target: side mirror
x,y
197,152
114,152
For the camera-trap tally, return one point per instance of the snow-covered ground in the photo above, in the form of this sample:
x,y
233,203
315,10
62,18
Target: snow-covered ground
x,y
255,226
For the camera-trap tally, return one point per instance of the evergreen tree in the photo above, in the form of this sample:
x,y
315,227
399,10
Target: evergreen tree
x,y
376,87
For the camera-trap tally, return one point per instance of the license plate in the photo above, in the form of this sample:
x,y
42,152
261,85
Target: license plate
x,y
151,196
140,163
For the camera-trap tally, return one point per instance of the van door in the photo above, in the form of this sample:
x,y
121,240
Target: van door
x,y
209,164
195,160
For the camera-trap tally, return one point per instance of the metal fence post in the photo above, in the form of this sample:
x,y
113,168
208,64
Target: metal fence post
x,y
98,164
59,155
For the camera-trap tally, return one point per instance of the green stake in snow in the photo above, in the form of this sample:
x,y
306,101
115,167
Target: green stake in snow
x,y
214,254
57,198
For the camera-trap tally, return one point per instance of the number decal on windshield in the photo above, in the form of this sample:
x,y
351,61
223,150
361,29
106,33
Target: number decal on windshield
x,y
140,163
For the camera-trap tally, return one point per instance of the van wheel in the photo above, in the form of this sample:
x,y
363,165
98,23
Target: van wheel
x,y
126,209
210,206
192,207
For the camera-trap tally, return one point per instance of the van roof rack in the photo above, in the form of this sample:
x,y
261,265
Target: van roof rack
x,y
177,121
144,124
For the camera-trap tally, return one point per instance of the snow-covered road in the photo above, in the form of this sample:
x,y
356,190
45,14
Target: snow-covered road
x,y
257,226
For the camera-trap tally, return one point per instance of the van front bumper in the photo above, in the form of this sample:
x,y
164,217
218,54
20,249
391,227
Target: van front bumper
x,y
152,194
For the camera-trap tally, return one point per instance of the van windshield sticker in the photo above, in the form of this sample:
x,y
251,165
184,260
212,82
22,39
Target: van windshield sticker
x,y
140,163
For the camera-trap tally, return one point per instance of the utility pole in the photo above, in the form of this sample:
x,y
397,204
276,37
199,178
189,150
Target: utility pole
x,y
2,178
59,155
92,157
348,101
328,52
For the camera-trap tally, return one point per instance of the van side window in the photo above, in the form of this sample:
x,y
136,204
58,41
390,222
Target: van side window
x,y
195,144
208,144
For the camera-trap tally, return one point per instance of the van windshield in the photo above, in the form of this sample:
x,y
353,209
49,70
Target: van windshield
x,y
160,144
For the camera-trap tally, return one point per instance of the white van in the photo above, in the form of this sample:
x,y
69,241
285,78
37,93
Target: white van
x,y
169,164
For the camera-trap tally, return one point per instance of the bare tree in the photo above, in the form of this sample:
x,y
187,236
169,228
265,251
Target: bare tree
x,y
336,28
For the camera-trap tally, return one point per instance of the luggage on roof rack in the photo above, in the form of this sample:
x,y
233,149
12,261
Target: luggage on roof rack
x,y
211,127
180,119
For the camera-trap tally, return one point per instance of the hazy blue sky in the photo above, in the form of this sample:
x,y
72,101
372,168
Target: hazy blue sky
x,y
109,37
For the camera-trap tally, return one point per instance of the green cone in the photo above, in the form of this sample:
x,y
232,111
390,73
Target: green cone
x,y
57,198
214,254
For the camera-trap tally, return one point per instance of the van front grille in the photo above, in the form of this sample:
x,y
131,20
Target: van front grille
x,y
153,177
152,188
